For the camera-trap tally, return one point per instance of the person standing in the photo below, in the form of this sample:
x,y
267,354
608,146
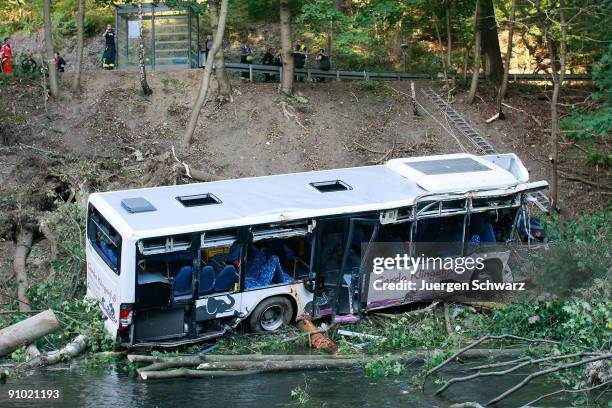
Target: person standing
x,y
29,65
268,59
108,57
246,57
324,63
209,45
6,55
60,63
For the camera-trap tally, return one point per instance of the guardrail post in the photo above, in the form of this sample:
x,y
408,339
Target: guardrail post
x,y
338,76
251,73
280,74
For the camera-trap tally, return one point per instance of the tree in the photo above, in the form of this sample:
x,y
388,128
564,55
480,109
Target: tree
x,y
477,39
52,69
146,89
205,83
225,87
79,52
558,77
285,23
490,41
511,22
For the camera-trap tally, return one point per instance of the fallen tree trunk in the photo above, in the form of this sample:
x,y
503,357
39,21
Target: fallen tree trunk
x,y
218,365
195,360
27,331
186,373
69,351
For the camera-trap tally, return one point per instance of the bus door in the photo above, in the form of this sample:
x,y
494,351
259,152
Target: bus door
x,y
362,233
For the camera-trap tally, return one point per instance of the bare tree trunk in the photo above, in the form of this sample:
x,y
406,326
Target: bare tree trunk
x,y
225,87
511,22
146,89
205,83
285,21
490,41
52,69
449,38
554,115
441,46
76,82
477,38
27,331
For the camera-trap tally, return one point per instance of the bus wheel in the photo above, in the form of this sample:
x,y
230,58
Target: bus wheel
x,y
271,314
491,272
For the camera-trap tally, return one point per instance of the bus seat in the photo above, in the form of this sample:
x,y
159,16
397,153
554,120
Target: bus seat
x,y
110,253
268,270
207,280
481,227
226,279
233,254
181,285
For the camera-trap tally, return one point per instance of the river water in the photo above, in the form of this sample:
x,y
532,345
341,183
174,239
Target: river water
x,y
97,388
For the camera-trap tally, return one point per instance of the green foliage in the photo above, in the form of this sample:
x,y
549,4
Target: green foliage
x,y
300,394
384,367
595,123
581,251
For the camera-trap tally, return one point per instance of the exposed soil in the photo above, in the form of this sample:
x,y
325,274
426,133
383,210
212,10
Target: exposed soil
x,y
111,137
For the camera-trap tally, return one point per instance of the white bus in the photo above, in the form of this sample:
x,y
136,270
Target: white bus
x,y
180,264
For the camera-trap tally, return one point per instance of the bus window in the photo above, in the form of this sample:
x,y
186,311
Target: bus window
x,y
492,226
277,261
105,240
441,236
220,267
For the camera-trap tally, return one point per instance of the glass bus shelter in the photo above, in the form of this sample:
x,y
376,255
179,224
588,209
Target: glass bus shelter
x,y
171,36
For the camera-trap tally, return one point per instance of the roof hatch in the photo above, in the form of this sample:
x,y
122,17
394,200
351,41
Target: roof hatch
x,y
198,200
331,186
137,205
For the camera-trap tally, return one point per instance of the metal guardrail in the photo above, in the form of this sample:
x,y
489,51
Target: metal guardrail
x,y
340,75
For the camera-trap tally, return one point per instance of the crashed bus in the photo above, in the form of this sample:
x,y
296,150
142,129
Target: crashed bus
x,y
180,264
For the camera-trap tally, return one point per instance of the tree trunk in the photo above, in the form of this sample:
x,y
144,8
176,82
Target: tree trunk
x,y
25,238
511,23
52,69
27,331
69,351
205,83
477,38
449,39
441,46
146,89
225,87
490,41
554,115
76,82
285,21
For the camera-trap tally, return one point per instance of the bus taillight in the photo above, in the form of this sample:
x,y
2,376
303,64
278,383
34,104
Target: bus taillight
x,y
125,316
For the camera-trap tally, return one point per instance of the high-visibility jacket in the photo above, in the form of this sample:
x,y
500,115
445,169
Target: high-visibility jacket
x,y
6,55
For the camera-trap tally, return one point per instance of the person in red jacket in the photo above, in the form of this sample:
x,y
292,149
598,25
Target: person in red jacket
x,y
6,55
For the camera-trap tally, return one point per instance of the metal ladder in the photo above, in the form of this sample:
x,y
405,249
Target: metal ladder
x,y
464,127
538,198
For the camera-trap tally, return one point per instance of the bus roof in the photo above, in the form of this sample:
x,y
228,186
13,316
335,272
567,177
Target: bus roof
x,y
169,210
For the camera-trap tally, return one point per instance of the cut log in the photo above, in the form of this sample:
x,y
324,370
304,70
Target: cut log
x,y
186,373
284,365
195,360
27,331
317,340
69,351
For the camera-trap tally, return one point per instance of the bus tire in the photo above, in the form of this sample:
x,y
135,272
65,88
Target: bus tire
x,y
492,271
271,314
